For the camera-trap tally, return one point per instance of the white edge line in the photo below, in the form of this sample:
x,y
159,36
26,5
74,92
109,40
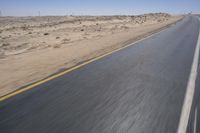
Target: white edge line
x,y
195,121
187,105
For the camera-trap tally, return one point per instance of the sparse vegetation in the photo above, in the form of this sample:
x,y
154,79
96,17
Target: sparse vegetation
x,y
66,40
46,34
5,44
57,46
24,28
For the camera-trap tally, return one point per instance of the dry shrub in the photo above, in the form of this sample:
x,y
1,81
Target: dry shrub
x,y
57,46
46,34
66,40
5,44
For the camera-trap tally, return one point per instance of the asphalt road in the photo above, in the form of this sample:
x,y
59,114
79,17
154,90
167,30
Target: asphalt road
x,y
139,89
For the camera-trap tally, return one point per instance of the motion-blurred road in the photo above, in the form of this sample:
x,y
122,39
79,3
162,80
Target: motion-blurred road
x,y
139,89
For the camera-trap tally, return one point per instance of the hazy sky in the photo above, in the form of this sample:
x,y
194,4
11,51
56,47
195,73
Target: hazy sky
x,y
95,7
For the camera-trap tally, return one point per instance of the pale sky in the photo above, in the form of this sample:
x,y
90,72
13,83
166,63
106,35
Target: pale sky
x,y
96,7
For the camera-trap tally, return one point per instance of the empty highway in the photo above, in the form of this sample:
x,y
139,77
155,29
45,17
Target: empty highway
x,y
139,89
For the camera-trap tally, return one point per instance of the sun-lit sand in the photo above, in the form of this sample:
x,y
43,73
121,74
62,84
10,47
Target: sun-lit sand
x,y
32,48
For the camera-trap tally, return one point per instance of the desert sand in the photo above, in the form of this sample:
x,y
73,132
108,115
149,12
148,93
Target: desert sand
x,y
32,48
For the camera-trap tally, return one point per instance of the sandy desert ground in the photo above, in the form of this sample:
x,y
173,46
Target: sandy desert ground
x,y
32,48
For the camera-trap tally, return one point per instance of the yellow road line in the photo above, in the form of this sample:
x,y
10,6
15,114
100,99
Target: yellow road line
x,y
67,71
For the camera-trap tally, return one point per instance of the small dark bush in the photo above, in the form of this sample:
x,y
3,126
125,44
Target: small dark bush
x,y
46,34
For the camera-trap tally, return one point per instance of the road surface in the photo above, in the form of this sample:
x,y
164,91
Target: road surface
x,y
139,89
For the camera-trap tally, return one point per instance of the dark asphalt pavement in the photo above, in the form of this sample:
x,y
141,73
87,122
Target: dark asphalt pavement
x,y
139,89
